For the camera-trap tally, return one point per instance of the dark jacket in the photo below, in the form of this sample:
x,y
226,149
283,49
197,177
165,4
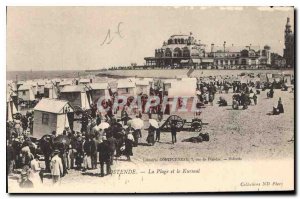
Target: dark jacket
x,y
104,151
87,147
173,129
93,146
112,144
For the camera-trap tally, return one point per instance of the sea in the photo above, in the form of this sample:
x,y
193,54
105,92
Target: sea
x,y
29,75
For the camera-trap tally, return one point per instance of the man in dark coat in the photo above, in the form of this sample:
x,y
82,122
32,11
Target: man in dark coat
x,y
84,122
98,119
112,142
24,123
104,156
174,132
124,116
135,134
79,152
87,150
94,152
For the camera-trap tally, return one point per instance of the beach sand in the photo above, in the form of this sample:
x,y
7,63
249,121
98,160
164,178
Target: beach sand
x,y
248,135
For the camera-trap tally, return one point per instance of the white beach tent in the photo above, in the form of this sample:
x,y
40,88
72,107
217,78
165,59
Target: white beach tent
x,y
26,92
51,115
9,109
181,88
84,101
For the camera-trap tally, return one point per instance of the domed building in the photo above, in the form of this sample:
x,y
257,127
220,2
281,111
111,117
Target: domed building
x,y
185,51
178,50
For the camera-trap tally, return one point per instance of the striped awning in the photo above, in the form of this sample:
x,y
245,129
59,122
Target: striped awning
x,y
207,60
196,61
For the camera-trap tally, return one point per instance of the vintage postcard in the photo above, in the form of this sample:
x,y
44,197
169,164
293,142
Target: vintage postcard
x,y
150,99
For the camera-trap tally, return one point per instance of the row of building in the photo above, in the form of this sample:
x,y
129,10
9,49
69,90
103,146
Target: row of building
x,y
186,51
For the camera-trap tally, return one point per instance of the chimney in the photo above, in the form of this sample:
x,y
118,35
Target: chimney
x,y
212,47
224,45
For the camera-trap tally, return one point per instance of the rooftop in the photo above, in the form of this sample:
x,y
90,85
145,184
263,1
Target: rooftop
x,y
99,86
51,105
73,88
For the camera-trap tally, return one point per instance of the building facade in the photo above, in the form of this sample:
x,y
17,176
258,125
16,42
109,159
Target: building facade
x,y
240,57
179,50
288,52
186,51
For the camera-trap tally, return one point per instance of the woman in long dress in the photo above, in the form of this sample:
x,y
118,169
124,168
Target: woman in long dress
x,y
35,175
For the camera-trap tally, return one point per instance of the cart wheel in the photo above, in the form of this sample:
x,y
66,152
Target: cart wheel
x,y
175,120
199,128
196,126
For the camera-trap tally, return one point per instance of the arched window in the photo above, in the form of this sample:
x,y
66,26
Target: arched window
x,y
244,53
244,61
186,52
182,41
168,52
177,52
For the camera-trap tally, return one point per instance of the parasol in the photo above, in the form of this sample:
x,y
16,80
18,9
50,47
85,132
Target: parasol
x,y
25,149
62,139
136,123
103,125
96,129
47,138
154,123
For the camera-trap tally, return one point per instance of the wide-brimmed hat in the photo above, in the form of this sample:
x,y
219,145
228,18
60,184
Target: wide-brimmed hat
x,y
56,151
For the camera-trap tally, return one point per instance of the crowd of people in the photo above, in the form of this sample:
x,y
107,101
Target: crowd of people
x,y
82,150
95,145
244,94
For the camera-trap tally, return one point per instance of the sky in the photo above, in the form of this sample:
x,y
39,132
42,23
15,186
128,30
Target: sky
x,y
87,38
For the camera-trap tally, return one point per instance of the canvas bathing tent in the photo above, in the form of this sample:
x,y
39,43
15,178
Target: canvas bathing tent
x,y
126,87
51,91
26,92
180,89
142,86
10,108
51,115
76,95
98,90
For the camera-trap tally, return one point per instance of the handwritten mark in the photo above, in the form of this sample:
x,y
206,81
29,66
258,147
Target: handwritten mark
x,y
109,38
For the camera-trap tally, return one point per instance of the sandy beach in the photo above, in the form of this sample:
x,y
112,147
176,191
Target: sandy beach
x,y
165,73
235,136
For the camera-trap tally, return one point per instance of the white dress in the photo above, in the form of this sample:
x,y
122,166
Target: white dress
x,y
34,174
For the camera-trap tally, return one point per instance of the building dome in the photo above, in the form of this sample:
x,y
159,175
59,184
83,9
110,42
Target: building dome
x,y
266,47
179,39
